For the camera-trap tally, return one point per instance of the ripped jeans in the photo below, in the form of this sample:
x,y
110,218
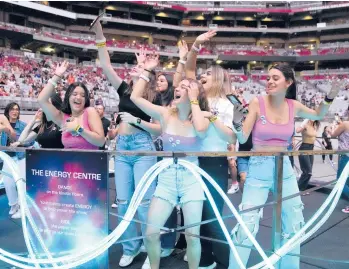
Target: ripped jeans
x,y
259,181
129,170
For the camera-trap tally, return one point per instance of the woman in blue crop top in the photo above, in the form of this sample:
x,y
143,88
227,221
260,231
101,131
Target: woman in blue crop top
x,y
271,120
175,184
133,135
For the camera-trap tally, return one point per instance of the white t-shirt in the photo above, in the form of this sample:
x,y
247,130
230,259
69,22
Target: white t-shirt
x,y
224,110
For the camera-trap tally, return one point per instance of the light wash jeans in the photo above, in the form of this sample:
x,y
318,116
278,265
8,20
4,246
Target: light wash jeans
x,y
9,183
259,181
128,172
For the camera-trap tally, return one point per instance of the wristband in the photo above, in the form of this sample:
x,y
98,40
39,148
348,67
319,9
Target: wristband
x,y
194,102
77,128
103,40
54,84
144,77
149,71
182,62
57,75
195,48
328,100
101,45
213,118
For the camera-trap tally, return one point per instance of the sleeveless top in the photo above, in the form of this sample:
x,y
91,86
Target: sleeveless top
x,y
269,134
70,141
181,143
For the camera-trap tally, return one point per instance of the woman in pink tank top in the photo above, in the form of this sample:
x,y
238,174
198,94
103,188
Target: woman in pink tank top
x,y
81,125
271,121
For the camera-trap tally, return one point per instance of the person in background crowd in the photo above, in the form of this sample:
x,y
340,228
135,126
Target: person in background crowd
x,y
133,134
271,121
11,128
175,184
342,132
81,125
242,162
309,130
43,130
216,83
105,122
326,142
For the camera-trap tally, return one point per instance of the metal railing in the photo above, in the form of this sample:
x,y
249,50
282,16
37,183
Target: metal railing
x,y
277,193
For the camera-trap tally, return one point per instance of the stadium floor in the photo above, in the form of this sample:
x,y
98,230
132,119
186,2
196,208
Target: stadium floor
x,y
330,242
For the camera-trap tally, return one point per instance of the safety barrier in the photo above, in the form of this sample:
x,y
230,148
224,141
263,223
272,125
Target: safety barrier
x,y
70,260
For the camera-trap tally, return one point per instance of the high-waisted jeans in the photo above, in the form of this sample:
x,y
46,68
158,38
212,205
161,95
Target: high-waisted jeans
x,y
128,172
259,181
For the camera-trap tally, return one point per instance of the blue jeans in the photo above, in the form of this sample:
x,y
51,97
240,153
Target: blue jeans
x,y
343,160
259,181
128,172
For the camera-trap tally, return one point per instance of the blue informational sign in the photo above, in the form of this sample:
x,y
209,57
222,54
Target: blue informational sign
x,y
70,191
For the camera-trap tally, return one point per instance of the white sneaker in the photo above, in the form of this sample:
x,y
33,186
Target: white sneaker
x,y
126,260
185,258
143,249
212,266
233,189
333,163
165,252
17,215
14,209
146,264
114,205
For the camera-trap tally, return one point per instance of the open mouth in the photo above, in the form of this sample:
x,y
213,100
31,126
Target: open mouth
x,y
177,96
77,102
203,81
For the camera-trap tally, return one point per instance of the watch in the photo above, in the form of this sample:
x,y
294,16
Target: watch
x,y
139,120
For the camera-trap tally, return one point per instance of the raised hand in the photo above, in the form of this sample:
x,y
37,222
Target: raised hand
x,y
38,116
183,50
152,61
61,68
337,85
193,91
205,37
141,56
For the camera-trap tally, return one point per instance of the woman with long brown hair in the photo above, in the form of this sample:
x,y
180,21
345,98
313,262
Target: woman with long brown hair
x,y
134,134
183,124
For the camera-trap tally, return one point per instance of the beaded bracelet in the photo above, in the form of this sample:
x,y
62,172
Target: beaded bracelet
x,y
144,77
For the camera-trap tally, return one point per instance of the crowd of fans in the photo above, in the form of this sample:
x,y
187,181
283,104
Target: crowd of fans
x,y
208,49
24,77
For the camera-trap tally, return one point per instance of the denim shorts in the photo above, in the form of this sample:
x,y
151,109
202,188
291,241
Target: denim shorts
x,y
242,163
177,185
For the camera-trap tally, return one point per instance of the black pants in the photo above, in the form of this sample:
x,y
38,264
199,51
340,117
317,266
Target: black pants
x,y
217,168
328,147
306,163
292,161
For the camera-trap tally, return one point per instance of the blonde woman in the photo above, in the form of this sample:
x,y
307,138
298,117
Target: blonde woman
x,y
216,83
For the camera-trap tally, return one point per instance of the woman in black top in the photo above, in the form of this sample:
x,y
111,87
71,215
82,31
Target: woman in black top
x,y
133,135
45,132
326,141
